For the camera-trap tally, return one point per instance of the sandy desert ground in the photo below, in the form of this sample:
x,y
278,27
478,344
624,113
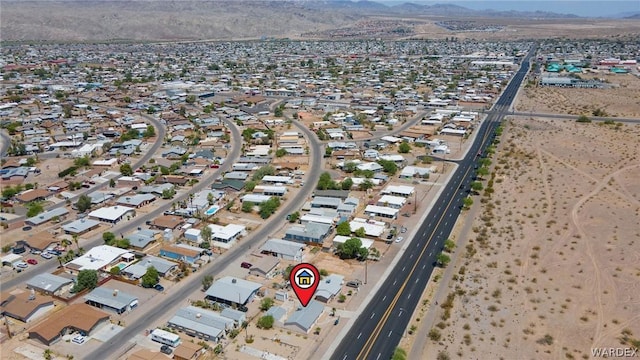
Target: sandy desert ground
x,y
551,267
621,100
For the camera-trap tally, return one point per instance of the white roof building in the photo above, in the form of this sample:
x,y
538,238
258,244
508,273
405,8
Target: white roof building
x,y
401,190
112,213
395,202
339,239
97,258
370,229
381,211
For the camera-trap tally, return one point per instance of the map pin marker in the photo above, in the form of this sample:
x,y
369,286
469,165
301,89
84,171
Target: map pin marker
x,y
304,279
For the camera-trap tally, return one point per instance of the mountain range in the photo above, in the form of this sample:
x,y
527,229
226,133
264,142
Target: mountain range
x,y
149,20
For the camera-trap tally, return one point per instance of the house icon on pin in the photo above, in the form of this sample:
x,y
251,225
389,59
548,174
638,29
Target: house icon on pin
x,y
304,278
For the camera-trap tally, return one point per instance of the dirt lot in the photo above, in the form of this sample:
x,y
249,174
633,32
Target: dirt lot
x,y
550,269
623,99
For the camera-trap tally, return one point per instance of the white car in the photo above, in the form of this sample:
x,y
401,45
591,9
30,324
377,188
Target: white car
x,y
399,238
46,255
79,339
22,265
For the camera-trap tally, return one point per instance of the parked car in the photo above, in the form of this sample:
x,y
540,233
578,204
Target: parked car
x,y
246,265
159,287
32,261
390,236
403,230
46,255
22,265
54,252
36,252
26,228
400,238
79,339
354,283
165,349
19,250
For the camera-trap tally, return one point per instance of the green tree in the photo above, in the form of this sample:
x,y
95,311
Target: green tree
x,y
267,208
365,185
293,217
112,183
265,322
467,202
482,172
115,270
346,184
108,237
360,232
191,99
388,166
207,281
34,208
449,245
247,206
281,152
349,167
443,260
404,147
266,304
476,186
123,243
150,132
84,203
399,354
87,279
343,229
262,172
325,182
168,193
151,277
351,249
250,185
126,170
205,234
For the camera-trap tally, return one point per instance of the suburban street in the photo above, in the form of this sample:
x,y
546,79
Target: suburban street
x,y
161,131
379,328
128,226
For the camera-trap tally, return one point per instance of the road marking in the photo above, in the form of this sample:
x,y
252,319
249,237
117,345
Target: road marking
x,y
372,315
394,281
418,279
411,256
431,253
358,336
390,332
447,223
409,297
424,266
345,356
382,300
379,354
404,267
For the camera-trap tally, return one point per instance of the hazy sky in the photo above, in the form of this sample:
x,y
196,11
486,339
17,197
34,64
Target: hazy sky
x,y
588,8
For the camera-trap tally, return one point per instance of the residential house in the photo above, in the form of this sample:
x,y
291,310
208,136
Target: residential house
x,y
25,306
77,317
50,284
111,300
232,291
286,250
178,253
112,214
304,318
308,233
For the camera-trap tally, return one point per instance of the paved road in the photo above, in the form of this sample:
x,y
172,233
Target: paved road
x,y
379,328
193,283
574,117
125,227
160,134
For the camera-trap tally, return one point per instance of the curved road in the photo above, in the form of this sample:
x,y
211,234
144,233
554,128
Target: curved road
x,y
160,134
380,326
193,283
125,227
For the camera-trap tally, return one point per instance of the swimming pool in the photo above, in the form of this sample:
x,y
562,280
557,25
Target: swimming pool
x,y
212,210
122,266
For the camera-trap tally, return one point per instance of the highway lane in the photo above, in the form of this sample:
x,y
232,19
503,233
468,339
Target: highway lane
x,y
193,283
160,135
125,227
377,331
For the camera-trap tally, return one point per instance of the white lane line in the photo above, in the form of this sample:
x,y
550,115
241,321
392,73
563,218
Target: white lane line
x,y
390,332
383,299
358,336
372,315
394,281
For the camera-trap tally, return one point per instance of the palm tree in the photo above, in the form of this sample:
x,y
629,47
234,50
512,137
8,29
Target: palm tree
x,y
75,240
